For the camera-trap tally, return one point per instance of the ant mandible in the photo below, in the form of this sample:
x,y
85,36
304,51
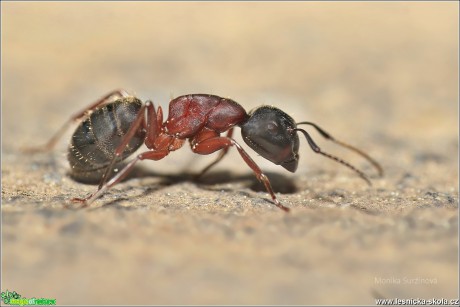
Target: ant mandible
x,y
115,126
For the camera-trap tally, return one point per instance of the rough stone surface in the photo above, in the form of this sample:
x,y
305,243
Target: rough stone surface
x,y
381,76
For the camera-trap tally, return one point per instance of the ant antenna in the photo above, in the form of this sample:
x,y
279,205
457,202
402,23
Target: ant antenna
x,y
352,148
316,149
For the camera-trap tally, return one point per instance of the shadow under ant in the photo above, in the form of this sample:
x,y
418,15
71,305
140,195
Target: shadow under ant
x,y
210,181
281,183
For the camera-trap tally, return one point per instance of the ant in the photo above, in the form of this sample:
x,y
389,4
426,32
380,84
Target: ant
x,y
116,125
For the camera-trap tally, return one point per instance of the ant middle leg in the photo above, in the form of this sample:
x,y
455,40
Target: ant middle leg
x,y
211,145
221,155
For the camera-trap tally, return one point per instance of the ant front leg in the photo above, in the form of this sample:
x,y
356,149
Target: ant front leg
x,y
208,146
112,96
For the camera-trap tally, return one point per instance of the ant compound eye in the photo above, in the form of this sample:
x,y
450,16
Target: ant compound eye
x,y
270,132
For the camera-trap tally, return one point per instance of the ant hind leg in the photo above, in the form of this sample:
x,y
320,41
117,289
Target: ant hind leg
x,y
113,95
148,155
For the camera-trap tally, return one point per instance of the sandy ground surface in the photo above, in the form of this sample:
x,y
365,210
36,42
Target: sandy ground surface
x,y
381,76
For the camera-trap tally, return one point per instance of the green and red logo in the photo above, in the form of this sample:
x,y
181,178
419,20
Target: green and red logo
x,y
14,298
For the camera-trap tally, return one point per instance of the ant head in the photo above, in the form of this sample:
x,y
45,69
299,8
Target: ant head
x,y
271,133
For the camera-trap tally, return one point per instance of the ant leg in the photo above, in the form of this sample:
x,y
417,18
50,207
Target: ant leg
x,y
50,144
152,127
138,123
211,145
222,153
343,144
150,155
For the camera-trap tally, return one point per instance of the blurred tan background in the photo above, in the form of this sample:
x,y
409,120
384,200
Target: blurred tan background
x,y
382,76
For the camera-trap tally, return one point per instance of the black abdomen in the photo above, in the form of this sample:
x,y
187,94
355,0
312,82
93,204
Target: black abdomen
x,y
95,140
